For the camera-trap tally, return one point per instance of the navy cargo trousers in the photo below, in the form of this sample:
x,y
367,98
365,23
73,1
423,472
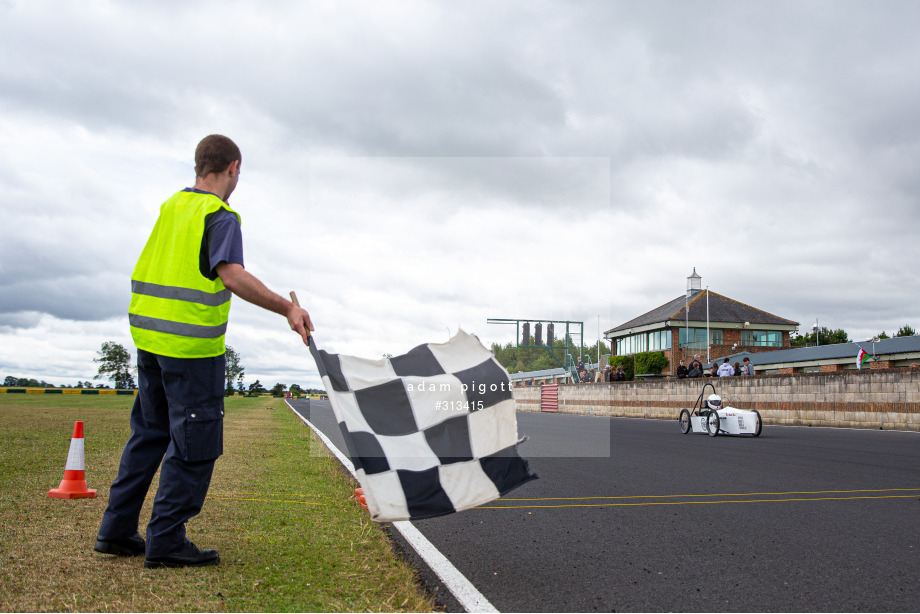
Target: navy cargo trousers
x,y
177,426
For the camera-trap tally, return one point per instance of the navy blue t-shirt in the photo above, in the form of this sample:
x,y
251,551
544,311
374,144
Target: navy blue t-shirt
x,y
222,241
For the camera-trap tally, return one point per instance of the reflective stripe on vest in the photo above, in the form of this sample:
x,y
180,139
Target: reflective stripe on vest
x,y
175,310
196,331
181,294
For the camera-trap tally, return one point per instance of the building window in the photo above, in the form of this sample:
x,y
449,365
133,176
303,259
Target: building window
x,y
644,342
767,338
659,340
715,336
697,338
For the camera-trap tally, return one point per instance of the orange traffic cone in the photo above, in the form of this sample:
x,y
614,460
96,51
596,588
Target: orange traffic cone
x,y
359,496
73,486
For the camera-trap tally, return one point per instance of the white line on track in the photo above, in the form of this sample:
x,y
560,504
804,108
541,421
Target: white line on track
x,y
461,588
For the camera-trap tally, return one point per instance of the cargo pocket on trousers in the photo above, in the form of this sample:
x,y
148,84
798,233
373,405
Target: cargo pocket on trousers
x,y
204,433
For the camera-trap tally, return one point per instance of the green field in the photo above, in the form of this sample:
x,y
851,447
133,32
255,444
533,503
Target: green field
x,y
279,511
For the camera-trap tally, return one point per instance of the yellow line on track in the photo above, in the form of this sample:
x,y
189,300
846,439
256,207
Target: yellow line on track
x,y
502,507
736,494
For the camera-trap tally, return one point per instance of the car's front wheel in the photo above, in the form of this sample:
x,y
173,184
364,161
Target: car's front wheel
x,y
712,423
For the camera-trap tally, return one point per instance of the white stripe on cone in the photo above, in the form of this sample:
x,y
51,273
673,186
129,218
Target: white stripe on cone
x,y
76,460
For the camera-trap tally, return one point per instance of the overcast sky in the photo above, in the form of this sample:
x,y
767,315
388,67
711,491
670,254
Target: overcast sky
x,y
414,167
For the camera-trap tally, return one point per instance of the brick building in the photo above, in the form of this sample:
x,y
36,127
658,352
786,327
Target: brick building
x,y
679,328
892,353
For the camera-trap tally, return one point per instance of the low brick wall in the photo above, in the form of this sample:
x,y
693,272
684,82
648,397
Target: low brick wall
x,y
887,399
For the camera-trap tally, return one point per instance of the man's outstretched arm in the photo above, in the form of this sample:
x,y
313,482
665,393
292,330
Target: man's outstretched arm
x,y
248,287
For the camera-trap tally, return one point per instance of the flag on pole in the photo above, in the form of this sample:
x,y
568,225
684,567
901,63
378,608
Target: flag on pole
x,y
430,432
862,358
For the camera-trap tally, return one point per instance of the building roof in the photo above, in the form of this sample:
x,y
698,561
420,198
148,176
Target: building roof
x,y
836,351
557,372
721,309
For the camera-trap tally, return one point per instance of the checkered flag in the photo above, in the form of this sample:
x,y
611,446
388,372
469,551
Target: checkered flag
x,y
430,432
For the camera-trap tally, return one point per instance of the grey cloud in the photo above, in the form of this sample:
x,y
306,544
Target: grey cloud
x,y
99,297
18,320
434,191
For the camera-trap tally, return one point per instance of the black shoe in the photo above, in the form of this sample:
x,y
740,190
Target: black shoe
x,y
188,556
124,546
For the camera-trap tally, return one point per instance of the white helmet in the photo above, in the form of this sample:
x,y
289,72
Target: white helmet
x,y
714,401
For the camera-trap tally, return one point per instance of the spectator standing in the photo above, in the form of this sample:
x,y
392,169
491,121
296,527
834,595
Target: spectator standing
x,y
682,370
748,368
726,369
695,369
737,368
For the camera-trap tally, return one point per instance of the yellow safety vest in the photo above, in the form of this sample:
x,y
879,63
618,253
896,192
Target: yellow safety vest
x,y
175,310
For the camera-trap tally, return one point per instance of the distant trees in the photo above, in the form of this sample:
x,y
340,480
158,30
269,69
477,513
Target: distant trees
x,y
278,389
22,382
827,336
906,331
256,388
517,359
234,370
115,363
824,336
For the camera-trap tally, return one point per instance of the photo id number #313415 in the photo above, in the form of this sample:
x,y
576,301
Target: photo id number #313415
x,y
458,405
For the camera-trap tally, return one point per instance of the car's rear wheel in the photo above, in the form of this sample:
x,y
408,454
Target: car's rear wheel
x,y
712,423
759,426
684,421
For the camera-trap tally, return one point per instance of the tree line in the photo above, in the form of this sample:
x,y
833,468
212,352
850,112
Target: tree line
x,y
523,359
114,363
826,336
22,382
235,373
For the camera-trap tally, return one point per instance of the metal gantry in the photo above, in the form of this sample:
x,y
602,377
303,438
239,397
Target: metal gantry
x,y
523,325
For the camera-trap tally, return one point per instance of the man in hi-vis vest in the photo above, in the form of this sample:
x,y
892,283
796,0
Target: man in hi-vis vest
x,y
180,300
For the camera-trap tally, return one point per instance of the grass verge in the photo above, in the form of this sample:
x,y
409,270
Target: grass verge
x,y
279,511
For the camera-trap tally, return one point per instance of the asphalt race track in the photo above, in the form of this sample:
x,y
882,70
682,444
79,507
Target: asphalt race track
x,y
799,519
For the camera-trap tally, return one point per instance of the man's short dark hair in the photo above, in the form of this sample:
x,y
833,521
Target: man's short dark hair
x,y
214,154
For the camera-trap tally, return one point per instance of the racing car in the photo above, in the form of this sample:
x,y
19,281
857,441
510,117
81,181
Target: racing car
x,y
709,416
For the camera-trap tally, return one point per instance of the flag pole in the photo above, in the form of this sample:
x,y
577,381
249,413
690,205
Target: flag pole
x,y
708,338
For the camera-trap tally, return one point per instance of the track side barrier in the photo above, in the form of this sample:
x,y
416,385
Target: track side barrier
x,y
549,397
879,399
90,391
